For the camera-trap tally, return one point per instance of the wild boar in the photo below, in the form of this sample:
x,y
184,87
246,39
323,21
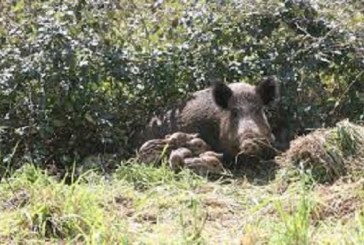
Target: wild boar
x,y
179,138
212,154
176,158
152,151
204,165
228,117
197,146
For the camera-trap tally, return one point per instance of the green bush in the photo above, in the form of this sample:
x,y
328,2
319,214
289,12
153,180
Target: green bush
x,y
78,78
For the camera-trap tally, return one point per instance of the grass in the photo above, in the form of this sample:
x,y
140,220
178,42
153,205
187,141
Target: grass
x,y
148,205
140,204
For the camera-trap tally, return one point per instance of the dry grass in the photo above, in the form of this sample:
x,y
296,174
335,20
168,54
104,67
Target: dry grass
x,y
328,153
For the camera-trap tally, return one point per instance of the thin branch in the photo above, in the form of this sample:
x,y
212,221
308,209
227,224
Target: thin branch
x,y
343,95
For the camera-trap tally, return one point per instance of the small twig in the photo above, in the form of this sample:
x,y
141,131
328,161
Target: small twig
x,y
304,30
343,95
312,45
12,156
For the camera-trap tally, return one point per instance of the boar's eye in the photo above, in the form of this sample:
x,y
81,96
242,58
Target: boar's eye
x,y
234,112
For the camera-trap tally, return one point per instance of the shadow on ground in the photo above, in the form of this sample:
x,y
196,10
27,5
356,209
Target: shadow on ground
x,y
256,171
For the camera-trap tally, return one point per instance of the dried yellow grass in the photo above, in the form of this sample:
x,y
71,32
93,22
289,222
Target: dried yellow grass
x,y
328,153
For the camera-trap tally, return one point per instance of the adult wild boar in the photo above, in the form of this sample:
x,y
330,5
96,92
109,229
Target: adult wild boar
x,y
230,118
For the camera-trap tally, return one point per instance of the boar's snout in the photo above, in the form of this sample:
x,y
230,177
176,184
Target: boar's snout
x,y
256,145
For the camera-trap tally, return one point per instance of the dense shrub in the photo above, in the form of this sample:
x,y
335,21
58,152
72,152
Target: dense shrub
x,y
82,77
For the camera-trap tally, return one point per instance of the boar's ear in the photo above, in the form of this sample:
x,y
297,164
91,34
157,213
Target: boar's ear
x,y
221,94
268,90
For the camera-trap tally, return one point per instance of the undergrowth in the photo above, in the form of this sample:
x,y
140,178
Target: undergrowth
x,y
140,204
